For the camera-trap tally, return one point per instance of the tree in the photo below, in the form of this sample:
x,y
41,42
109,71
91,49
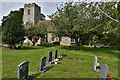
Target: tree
x,y
105,20
95,22
72,20
36,31
13,29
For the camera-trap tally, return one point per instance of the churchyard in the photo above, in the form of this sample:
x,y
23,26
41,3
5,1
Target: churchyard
x,y
76,63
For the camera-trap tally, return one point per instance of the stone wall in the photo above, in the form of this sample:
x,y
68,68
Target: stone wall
x,y
32,13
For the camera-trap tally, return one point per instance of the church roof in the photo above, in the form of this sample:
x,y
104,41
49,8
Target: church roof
x,y
49,24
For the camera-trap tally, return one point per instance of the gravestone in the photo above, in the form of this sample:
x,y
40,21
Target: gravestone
x,y
49,57
60,56
56,54
104,72
42,64
23,70
38,41
95,63
98,68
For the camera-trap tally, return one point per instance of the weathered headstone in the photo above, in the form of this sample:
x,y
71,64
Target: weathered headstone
x,y
56,54
95,63
104,72
98,68
27,41
23,70
38,41
42,64
60,56
49,57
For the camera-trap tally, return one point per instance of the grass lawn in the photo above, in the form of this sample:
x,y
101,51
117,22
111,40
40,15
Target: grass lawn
x,y
77,63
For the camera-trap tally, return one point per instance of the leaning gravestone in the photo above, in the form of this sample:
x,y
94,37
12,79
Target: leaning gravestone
x,y
49,57
56,54
61,54
23,70
104,72
95,63
42,64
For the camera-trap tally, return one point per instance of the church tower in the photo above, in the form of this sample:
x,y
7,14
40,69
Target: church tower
x,y
32,13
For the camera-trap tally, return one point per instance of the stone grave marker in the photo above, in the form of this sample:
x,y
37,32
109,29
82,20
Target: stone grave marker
x,y
23,70
98,68
49,57
42,64
95,63
104,72
56,54
60,56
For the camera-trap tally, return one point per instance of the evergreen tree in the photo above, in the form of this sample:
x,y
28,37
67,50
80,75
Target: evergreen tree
x,y
13,29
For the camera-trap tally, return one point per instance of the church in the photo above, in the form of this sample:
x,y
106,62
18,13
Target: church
x,y
33,15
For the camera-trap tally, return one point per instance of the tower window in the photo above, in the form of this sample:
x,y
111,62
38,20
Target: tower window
x,y
28,12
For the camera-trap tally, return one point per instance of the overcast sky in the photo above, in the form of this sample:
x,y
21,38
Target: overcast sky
x,y
47,6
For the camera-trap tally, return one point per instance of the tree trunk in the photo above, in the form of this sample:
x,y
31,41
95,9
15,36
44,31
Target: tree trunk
x,y
12,46
77,44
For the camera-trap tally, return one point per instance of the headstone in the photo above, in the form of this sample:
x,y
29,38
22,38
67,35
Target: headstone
x,y
23,70
38,41
42,64
27,41
49,57
98,68
61,54
104,72
95,63
56,54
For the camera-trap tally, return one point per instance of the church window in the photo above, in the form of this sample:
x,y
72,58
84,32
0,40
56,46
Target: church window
x,y
28,12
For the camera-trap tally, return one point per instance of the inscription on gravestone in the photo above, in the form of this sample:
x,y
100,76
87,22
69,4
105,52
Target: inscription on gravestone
x,y
42,64
23,70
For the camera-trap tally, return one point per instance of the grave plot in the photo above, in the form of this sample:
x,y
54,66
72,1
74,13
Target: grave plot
x,y
43,67
43,64
75,62
96,66
104,72
23,70
56,55
50,57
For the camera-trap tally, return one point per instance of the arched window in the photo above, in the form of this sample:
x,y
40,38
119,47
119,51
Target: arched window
x,y
28,11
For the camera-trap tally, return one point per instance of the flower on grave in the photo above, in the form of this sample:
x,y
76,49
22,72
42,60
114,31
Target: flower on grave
x,y
108,77
55,62
50,62
56,59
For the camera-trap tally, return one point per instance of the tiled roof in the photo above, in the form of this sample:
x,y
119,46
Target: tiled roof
x,y
48,23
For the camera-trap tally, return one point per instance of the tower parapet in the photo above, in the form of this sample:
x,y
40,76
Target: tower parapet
x,y
32,13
